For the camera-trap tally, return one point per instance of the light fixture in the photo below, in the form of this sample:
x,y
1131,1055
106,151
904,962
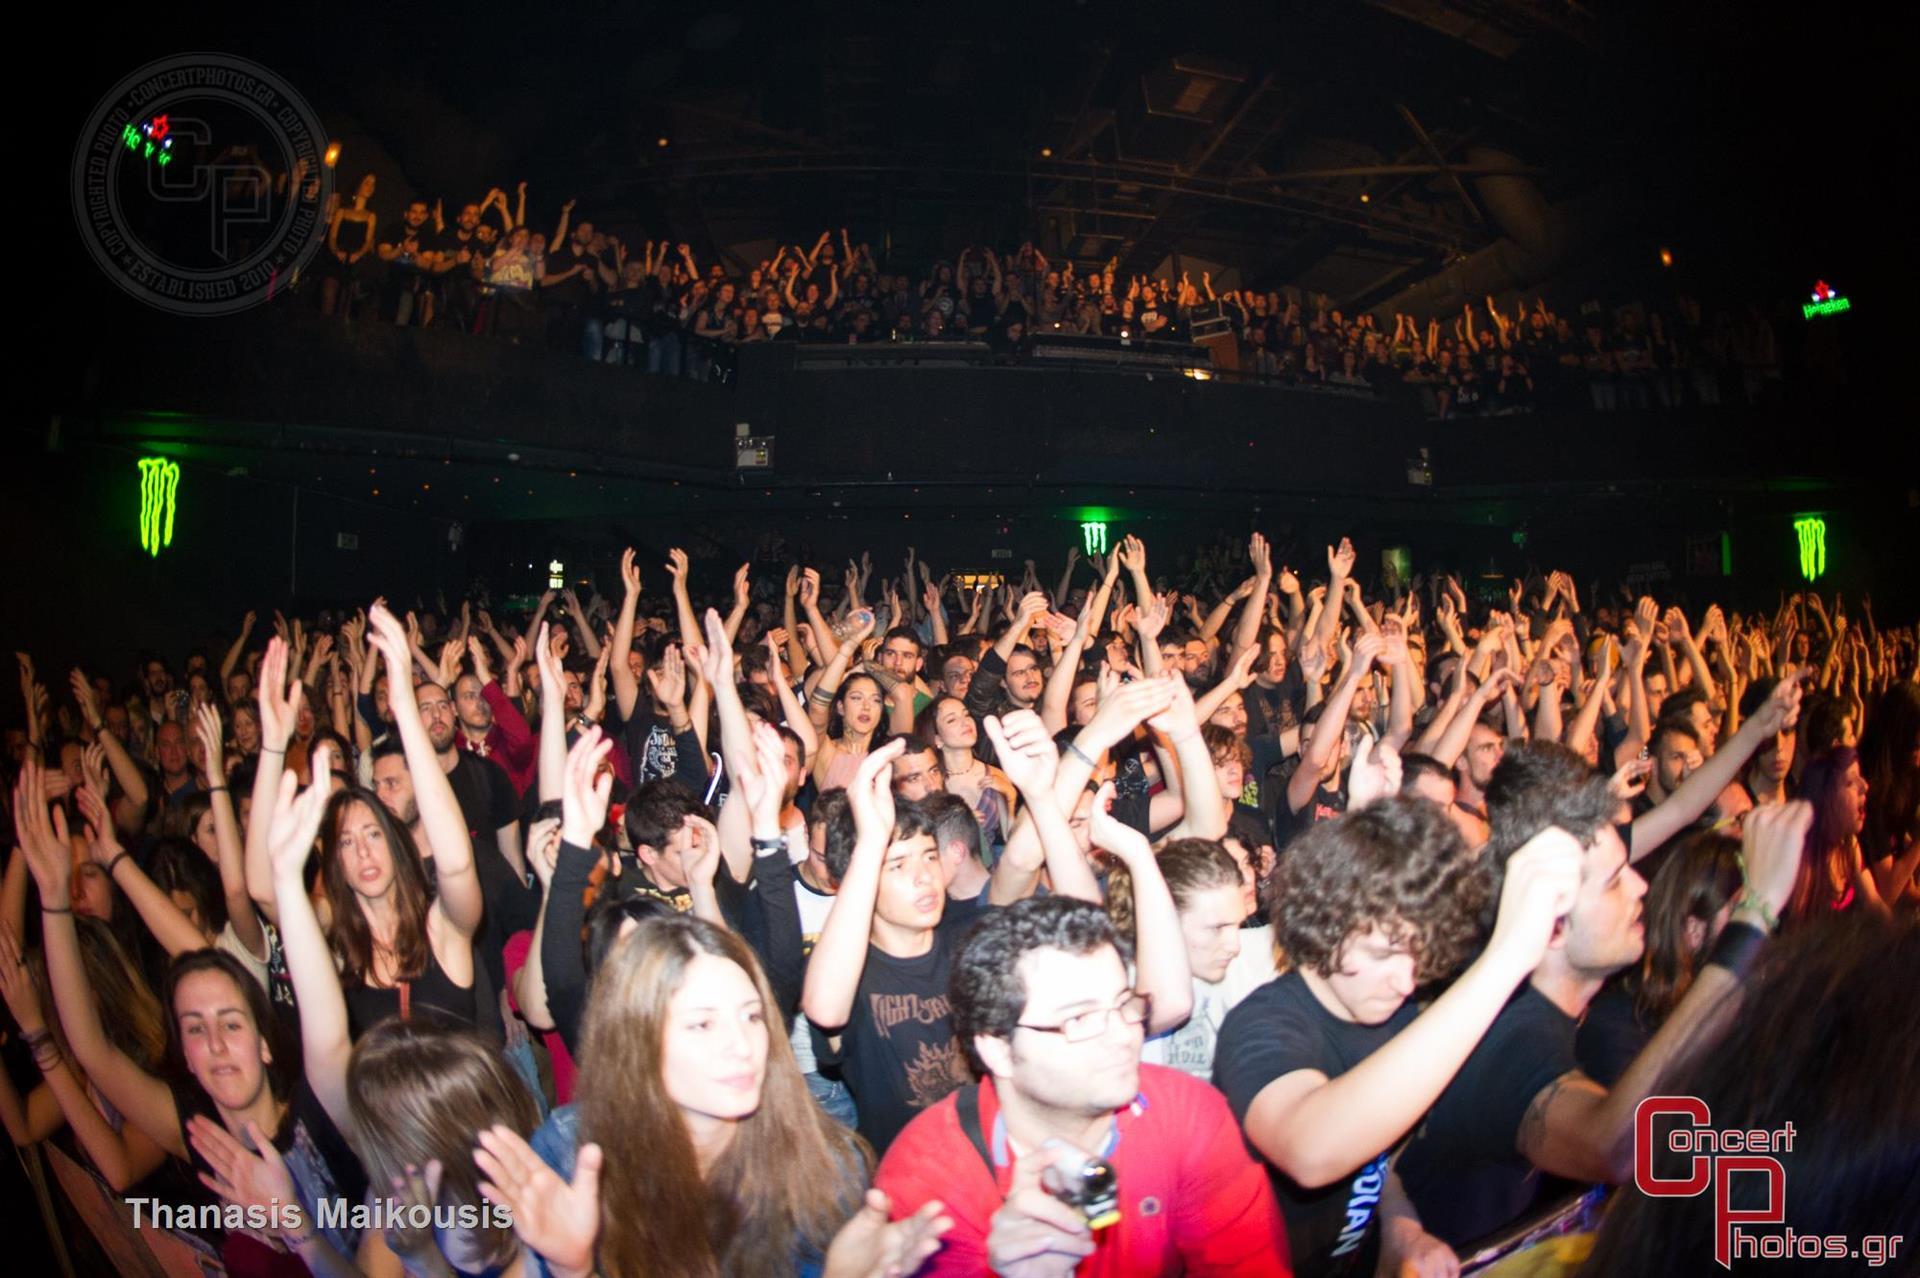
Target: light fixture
x,y
1046,153
1666,257
332,156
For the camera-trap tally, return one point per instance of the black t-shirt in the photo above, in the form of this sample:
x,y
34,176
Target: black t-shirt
x,y
569,292
897,1051
487,803
1611,1034
1463,1171
407,243
1276,1030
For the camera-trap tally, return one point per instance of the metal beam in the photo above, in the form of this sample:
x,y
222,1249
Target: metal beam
x,y
1441,160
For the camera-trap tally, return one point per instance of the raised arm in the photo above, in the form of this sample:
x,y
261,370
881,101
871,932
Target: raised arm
x,y
458,883
1318,1130
169,924
144,1100
1027,755
226,834
279,706
626,688
239,646
1332,724
1160,949
293,823
1684,806
132,780
840,953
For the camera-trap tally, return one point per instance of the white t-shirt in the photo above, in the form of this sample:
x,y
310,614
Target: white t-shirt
x,y
229,942
1189,1047
814,906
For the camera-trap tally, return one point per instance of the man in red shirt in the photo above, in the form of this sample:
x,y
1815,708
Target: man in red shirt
x,y
1042,1001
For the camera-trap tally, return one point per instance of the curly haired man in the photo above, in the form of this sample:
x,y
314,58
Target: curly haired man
x,y
1330,1066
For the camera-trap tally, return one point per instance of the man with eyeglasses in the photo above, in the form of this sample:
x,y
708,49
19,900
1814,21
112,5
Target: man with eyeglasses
x,y
1044,1005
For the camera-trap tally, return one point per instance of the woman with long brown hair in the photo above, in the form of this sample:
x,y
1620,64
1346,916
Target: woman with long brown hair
x,y
706,1153
396,943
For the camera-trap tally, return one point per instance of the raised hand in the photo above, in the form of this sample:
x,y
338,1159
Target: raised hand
x,y
1025,751
279,704
1340,559
677,567
810,588
1375,774
742,586
629,573
1542,878
585,791
716,656
256,1177
295,821
558,1220
1289,584
1112,835
870,794
1261,555
668,677
41,836
1771,838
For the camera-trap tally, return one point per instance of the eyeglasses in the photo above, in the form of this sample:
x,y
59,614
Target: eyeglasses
x,y
1087,1026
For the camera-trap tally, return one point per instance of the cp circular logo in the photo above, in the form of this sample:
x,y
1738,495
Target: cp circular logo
x,y
199,183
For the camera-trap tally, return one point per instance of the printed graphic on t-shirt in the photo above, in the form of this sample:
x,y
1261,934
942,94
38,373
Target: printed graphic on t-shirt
x,y
935,1068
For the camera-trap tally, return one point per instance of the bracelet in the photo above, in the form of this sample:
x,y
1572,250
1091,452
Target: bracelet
x,y
216,789
111,865
272,750
767,845
1737,947
55,909
1752,900
1073,748
37,1037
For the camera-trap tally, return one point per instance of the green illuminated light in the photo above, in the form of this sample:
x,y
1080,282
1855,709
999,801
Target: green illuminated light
x,y
1812,532
556,575
159,484
1832,307
1093,537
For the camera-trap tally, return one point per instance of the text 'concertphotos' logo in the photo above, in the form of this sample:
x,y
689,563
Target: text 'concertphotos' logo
x,y
184,183
1716,1156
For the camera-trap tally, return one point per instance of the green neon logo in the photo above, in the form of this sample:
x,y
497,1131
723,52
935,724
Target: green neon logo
x,y
1810,309
159,483
1093,536
1812,531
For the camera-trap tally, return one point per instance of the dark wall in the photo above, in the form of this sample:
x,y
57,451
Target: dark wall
x,y
80,588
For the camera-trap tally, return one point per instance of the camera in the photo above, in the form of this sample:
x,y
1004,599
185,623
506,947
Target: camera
x,y
1093,1189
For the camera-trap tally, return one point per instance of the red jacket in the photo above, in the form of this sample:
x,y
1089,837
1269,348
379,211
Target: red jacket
x,y
1192,1200
509,742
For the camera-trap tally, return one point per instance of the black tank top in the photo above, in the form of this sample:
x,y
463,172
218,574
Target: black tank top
x,y
433,988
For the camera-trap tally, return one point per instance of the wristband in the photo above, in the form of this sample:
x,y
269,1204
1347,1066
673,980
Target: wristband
x,y
1073,748
1739,943
767,845
215,789
37,1037
115,862
55,909
1752,900
272,750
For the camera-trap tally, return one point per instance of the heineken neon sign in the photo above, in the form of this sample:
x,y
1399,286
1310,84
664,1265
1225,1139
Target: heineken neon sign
x,y
1825,302
1812,532
159,485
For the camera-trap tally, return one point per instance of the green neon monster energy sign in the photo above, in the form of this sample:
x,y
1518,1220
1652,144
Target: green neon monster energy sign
x,y
1812,531
1093,536
159,483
